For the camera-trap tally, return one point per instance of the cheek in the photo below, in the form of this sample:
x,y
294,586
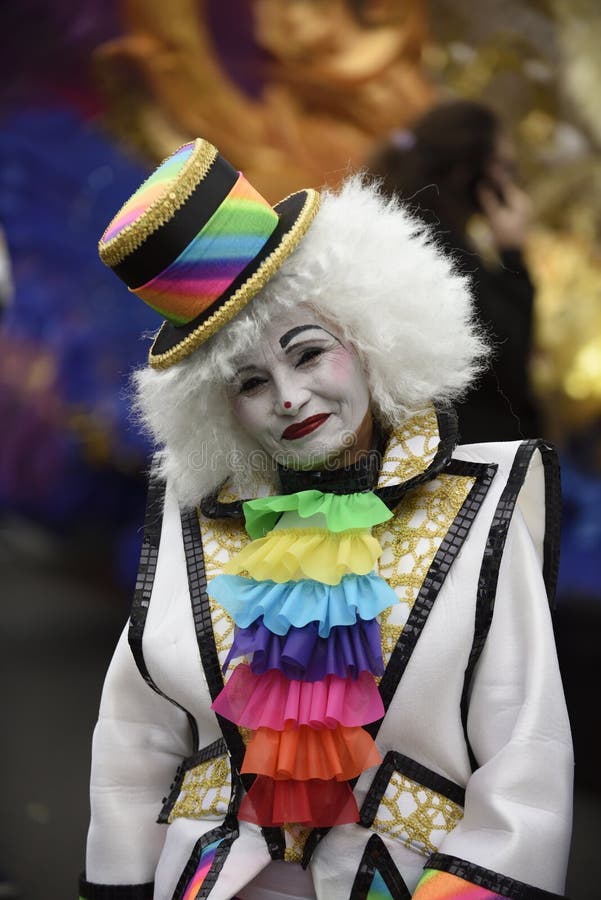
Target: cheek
x,y
341,367
346,377
250,413
245,411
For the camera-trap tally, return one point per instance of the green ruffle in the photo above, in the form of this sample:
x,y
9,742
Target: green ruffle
x,y
342,511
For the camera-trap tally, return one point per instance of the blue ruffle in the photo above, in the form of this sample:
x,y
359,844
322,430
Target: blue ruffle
x,y
296,603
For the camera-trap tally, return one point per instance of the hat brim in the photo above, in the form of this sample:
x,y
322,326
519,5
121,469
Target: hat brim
x,y
174,342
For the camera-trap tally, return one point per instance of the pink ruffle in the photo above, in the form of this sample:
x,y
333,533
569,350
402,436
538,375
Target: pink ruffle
x,y
273,701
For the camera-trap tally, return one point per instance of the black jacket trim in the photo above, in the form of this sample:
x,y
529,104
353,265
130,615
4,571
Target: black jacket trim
x,y
227,834
497,535
90,891
205,638
153,523
506,887
211,751
552,518
397,762
439,569
213,508
434,580
376,858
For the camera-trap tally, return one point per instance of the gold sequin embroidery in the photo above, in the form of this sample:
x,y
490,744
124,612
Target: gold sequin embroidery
x,y
409,543
245,292
295,836
415,815
411,449
221,539
205,791
159,212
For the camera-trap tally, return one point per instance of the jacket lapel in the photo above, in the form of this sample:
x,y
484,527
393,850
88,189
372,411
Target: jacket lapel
x,y
420,545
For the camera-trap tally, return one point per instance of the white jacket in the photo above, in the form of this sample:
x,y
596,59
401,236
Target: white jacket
x,y
477,764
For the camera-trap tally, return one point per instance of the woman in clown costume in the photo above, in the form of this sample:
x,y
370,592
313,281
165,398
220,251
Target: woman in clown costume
x,y
338,679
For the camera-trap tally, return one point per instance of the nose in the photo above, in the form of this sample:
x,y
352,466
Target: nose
x,y
290,407
290,396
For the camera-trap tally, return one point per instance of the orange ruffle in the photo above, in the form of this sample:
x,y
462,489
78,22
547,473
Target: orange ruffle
x,y
303,753
317,803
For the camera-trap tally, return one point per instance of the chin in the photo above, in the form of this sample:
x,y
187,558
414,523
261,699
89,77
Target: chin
x,y
316,457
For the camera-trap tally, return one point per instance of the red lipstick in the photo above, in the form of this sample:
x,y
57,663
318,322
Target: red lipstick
x,y
300,429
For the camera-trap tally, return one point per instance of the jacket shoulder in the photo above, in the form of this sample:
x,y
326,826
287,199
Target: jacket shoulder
x,y
529,476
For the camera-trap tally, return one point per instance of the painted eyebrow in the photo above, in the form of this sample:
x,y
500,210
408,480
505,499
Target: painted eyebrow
x,y
286,338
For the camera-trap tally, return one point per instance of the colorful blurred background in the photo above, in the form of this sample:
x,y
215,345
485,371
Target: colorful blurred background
x,y
296,93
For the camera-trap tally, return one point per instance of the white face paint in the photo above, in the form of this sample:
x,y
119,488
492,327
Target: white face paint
x,y
302,394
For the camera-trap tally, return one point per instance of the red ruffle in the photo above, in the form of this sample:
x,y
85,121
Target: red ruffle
x,y
304,753
314,802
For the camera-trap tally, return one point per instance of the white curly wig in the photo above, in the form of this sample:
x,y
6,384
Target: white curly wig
x,y
374,272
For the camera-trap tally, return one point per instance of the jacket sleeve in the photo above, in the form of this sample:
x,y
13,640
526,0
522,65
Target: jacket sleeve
x,y
513,840
139,740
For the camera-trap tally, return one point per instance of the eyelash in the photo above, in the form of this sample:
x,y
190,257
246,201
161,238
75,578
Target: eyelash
x,y
309,354
306,356
251,384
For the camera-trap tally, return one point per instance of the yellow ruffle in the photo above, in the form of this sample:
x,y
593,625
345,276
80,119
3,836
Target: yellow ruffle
x,y
292,554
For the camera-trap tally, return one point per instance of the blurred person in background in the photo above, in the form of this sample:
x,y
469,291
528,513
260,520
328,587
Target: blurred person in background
x,y
457,161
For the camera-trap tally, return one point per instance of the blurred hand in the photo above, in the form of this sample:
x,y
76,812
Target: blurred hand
x,y
509,218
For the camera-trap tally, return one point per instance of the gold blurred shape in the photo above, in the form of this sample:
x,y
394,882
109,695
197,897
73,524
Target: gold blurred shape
x,y
567,364
341,74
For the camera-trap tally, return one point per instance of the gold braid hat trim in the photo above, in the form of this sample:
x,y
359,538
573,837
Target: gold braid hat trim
x,y
132,236
245,292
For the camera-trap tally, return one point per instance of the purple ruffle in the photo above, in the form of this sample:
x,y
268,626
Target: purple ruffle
x,y
304,656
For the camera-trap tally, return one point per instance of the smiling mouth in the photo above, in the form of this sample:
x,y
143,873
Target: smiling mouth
x,y
300,429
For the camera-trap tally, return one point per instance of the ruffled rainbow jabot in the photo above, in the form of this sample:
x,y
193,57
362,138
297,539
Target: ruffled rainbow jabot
x,y
304,599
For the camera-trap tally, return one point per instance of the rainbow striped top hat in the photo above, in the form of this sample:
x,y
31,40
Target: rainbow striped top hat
x,y
196,242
